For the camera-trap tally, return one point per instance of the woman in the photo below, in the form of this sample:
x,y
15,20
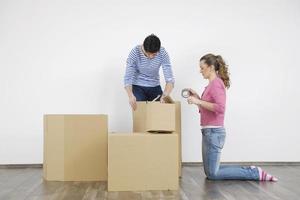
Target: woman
x,y
212,109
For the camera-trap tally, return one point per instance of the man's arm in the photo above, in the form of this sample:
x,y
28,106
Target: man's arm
x,y
128,78
131,97
168,73
168,89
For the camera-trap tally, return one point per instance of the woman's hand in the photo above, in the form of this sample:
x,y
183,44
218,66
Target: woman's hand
x,y
194,93
193,100
132,102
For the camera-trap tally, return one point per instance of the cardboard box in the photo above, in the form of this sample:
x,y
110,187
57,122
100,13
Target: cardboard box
x,y
75,147
178,131
139,162
154,116
140,121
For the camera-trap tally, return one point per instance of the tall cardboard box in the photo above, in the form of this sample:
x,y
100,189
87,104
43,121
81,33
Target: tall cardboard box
x,y
140,162
154,116
140,122
75,147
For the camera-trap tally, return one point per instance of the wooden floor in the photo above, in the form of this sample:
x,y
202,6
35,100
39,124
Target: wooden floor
x,y
27,183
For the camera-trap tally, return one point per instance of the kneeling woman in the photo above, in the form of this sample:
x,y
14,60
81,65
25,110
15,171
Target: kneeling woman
x,y
211,106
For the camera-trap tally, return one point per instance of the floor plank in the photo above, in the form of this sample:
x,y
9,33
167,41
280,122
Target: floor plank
x,y
27,183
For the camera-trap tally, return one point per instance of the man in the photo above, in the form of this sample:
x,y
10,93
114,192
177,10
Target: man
x,y
141,80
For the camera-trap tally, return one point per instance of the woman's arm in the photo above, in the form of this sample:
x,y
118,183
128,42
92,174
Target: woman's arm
x,y
218,105
200,103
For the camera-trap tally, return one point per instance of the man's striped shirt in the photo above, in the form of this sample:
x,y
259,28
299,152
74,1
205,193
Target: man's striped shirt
x,y
143,71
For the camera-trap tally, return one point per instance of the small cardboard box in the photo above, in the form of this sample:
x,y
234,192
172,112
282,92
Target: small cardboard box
x,y
154,117
140,162
75,147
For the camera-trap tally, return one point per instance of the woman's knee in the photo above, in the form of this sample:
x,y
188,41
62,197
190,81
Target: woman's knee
x,y
211,175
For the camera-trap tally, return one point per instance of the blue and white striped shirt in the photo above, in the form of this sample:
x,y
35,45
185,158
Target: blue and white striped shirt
x,y
143,71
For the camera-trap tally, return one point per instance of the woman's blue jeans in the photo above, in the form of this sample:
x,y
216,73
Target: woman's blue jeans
x,y
212,144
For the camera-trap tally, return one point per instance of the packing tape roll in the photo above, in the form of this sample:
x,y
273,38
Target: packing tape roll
x,y
185,93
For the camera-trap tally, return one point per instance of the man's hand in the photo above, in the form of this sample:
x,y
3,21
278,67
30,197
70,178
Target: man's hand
x,y
132,102
131,97
167,91
162,98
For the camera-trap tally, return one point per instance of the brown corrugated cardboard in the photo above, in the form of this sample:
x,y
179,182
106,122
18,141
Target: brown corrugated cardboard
x,y
140,121
139,162
154,116
178,131
75,147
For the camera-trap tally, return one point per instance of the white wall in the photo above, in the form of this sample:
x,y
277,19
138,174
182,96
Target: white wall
x,y
69,57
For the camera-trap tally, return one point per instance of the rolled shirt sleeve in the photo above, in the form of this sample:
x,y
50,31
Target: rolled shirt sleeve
x,y
167,68
130,68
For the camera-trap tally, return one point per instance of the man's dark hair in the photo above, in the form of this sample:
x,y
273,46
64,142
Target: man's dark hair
x,y
151,44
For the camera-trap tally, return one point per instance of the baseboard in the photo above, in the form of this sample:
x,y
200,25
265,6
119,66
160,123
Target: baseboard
x,y
246,163
16,166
